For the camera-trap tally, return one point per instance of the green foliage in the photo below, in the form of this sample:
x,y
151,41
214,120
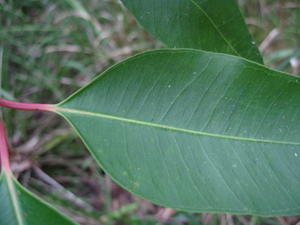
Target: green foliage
x,y
233,149
188,129
20,207
197,24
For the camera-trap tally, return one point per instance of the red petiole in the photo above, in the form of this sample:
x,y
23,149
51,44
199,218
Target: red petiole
x,y
4,155
25,106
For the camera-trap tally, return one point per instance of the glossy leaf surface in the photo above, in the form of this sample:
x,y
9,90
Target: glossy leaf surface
x,y
212,25
195,131
20,207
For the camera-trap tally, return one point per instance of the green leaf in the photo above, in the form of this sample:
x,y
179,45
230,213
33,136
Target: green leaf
x,y
213,25
196,131
20,207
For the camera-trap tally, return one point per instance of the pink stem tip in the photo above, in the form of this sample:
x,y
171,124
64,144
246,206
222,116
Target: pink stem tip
x,y
4,148
25,106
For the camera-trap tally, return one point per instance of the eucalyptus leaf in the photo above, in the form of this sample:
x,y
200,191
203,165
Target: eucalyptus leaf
x,y
212,25
195,131
20,207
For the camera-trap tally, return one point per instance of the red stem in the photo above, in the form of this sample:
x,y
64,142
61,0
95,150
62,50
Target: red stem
x,y
25,106
4,148
4,155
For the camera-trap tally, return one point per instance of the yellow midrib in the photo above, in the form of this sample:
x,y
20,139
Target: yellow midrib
x,y
13,197
166,127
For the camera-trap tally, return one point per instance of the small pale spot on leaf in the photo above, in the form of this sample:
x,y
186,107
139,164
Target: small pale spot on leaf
x,y
136,184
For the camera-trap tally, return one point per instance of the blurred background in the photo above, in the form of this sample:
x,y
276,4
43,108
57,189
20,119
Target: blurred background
x,y
50,48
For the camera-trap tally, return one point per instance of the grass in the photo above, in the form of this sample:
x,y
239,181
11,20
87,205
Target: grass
x,y
50,48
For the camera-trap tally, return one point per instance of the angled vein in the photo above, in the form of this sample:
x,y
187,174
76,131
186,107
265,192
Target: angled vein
x,y
215,26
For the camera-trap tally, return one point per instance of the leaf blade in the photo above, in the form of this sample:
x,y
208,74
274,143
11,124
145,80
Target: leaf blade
x,y
182,24
20,207
190,130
